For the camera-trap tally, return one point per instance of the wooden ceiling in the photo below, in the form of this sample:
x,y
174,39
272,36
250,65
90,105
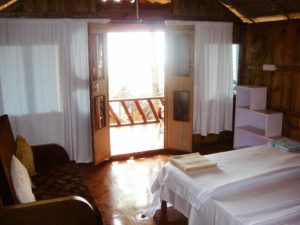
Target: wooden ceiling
x,y
248,11
255,11
118,10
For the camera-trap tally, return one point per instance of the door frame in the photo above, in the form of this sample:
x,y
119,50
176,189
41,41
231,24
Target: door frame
x,y
100,156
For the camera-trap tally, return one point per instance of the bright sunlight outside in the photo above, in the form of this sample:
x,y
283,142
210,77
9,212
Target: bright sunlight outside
x,y
135,64
135,71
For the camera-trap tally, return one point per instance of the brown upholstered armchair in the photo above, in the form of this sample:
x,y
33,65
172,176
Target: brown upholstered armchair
x,y
57,204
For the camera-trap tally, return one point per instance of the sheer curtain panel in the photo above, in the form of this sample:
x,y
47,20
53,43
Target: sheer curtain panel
x,y
44,85
213,84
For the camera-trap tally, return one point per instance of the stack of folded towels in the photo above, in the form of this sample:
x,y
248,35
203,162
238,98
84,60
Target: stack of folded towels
x,y
191,162
286,144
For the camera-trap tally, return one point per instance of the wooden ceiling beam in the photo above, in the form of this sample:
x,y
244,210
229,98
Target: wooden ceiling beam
x,y
237,11
269,18
7,4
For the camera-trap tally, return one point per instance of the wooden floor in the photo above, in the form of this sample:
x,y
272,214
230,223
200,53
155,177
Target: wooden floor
x,y
122,191
137,138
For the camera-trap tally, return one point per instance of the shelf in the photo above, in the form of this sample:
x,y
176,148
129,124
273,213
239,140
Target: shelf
x,y
251,97
258,132
254,124
250,87
247,107
266,111
253,130
260,111
242,146
273,138
245,137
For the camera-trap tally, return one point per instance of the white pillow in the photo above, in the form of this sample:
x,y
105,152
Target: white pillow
x,y
21,181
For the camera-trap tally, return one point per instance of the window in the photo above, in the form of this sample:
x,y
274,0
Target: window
x,y
31,81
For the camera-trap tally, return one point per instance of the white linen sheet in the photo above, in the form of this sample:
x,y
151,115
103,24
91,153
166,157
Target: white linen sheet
x,y
258,185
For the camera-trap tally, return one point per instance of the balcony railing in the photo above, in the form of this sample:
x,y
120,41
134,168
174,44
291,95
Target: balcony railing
x,y
134,111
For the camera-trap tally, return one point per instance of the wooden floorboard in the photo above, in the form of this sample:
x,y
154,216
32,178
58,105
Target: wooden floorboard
x,y
121,190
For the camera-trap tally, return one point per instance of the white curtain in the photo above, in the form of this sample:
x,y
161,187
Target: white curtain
x,y
213,85
213,76
44,85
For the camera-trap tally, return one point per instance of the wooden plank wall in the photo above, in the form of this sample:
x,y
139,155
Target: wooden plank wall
x,y
207,144
202,10
65,8
275,43
178,9
127,11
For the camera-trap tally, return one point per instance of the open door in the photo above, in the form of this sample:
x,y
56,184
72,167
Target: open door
x,y
179,87
99,92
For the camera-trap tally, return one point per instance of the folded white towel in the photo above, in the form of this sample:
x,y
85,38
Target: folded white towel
x,y
191,162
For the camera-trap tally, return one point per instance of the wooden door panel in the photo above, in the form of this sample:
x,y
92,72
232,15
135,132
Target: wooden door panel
x,y
179,79
99,91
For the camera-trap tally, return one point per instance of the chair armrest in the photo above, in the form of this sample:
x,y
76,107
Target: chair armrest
x,y
49,155
59,211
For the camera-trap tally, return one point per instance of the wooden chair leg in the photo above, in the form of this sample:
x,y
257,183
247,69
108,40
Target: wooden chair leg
x,y
163,206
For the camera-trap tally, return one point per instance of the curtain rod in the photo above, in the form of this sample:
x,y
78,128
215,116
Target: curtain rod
x,y
137,21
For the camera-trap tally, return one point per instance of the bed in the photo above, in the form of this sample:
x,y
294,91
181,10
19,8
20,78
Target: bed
x,y
258,185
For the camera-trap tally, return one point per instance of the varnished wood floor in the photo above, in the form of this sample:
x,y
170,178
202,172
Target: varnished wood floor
x,y
121,191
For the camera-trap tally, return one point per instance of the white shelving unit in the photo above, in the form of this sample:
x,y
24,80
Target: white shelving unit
x,y
254,124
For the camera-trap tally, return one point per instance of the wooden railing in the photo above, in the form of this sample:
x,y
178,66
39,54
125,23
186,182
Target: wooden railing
x,y
124,112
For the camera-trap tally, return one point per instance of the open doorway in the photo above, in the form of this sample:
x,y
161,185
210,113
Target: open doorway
x,y
136,90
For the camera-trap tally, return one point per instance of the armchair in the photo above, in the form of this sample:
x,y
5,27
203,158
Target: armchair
x,y
58,187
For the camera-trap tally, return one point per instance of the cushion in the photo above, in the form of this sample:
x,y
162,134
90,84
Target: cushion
x,y
21,181
60,181
25,155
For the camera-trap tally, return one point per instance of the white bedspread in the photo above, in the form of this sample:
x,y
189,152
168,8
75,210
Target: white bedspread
x,y
258,185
